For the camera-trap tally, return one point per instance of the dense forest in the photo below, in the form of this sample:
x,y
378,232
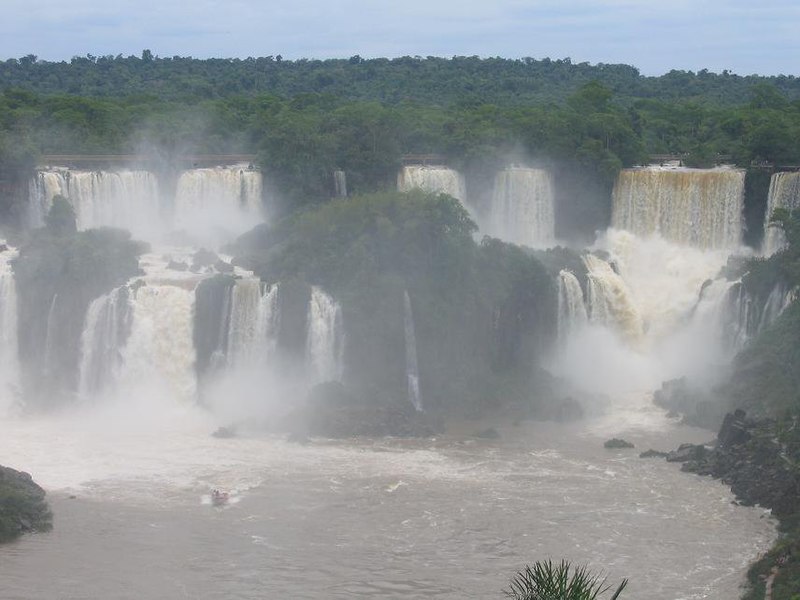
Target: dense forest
x,y
465,80
306,118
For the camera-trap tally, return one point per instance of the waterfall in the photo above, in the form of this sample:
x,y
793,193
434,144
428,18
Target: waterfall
x,y
696,207
784,192
441,180
105,332
412,368
9,350
339,184
253,323
126,199
324,337
522,209
610,300
572,314
158,358
50,332
220,200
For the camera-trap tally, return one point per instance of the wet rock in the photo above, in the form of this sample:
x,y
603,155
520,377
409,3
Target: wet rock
x,y
23,507
223,267
177,265
617,443
734,430
203,259
653,454
687,452
225,432
490,433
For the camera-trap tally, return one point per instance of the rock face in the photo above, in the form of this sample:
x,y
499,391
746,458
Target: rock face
x,y
332,412
23,507
696,407
751,458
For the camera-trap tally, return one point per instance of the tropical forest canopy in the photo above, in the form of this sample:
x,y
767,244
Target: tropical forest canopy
x,y
306,118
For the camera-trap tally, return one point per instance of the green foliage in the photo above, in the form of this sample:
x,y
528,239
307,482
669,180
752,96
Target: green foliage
x,y
479,309
58,272
22,505
60,219
547,581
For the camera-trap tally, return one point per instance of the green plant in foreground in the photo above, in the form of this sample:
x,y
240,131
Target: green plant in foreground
x,y
546,581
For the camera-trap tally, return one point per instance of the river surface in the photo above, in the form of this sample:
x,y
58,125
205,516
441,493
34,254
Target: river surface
x,y
452,517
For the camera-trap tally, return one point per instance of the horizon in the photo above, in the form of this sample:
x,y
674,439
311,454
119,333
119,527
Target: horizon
x,y
571,60
655,39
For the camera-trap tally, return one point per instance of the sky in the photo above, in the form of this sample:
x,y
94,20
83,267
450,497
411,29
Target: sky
x,y
744,37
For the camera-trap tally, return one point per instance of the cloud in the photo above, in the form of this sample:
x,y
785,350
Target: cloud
x,y
655,37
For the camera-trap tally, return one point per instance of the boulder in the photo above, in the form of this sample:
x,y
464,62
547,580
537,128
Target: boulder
x,y
617,443
687,452
23,507
653,454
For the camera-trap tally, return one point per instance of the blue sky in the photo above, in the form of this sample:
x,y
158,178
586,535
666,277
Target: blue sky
x,y
740,36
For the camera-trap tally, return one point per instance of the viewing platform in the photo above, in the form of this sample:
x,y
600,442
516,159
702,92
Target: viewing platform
x,y
90,161
424,159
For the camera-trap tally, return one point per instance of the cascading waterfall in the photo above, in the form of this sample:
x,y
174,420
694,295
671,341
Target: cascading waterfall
x,y
412,367
127,199
158,358
610,300
9,349
339,184
50,333
695,207
522,209
324,337
221,199
253,323
437,179
105,332
784,192
572,315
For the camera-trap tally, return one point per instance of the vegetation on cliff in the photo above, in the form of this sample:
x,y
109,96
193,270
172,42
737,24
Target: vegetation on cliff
x,y
22,505
482,311
58,272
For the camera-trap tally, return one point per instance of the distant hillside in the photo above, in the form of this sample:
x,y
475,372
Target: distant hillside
x,y
431,80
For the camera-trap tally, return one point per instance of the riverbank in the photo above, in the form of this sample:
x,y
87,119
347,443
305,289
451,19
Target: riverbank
x,y
23,508
760,460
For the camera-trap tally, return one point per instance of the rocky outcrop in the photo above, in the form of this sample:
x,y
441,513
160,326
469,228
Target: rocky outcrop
x,y
615,443
752,459
694,406
23,507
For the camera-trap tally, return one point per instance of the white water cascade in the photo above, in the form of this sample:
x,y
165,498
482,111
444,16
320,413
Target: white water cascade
x,y
610,301
412,367
339,184
104,335
436,179
9,349
522,209
218,203
695,207
253,323
159,356
784,192
572,315
127,199
324,337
